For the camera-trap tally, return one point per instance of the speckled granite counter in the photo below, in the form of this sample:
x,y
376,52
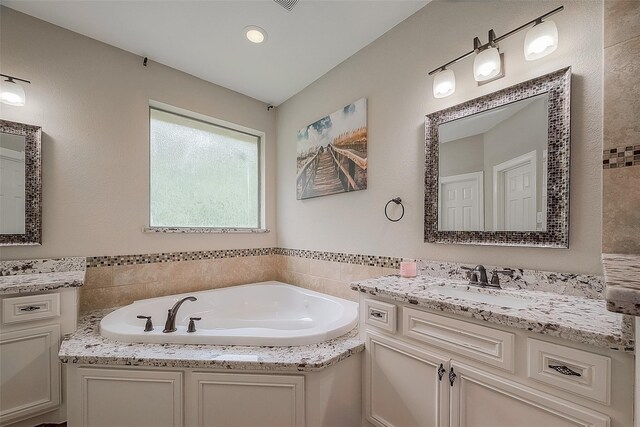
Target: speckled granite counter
x,y
87,346
23,276
578,319
622,280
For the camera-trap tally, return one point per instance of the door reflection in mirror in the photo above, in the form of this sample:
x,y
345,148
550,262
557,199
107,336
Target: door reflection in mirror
x,y
492,169
12,184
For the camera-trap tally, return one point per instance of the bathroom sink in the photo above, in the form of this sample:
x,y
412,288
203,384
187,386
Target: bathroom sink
x,y
485,296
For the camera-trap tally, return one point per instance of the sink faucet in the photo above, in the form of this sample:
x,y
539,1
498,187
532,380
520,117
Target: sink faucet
x,y
483,280
170,325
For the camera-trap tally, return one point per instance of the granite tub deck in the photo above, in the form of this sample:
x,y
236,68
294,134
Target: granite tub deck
x,y
578,319
19,277
87,347
622,280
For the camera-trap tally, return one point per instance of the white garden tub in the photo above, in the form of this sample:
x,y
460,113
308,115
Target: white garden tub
x,y
261,314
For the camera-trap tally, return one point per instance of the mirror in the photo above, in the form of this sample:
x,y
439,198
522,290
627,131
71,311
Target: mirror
x,y
498,167
20,184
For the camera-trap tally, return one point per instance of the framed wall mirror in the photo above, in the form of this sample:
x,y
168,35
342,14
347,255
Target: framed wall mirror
x,y
20,184
497,167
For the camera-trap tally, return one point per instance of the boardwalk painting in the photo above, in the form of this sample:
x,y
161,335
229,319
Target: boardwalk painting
x,y
332,153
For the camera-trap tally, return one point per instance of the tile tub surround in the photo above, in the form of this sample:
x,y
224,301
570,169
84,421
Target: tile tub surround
x,y
622,278
39,275
86,346
582,320
123,280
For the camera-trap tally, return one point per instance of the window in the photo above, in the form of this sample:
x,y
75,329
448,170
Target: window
x,y
203,174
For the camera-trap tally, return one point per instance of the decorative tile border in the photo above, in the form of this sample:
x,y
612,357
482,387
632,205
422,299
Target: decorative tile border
x,y
32,187
106,261
621,157
369,260
558,86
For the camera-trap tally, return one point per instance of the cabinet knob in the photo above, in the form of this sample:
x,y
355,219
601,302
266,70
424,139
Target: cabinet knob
x,y
441,372
452,377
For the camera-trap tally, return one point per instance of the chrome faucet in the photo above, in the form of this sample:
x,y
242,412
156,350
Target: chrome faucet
x,y
170,325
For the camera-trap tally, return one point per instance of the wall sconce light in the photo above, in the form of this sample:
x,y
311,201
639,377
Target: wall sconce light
x,y
444,83
11,93
488,64
541,40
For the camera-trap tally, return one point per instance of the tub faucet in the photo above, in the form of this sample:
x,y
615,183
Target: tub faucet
x,y
170,325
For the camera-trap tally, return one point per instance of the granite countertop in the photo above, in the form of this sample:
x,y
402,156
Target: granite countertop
x,y
87,346
622,281
37,282
578,319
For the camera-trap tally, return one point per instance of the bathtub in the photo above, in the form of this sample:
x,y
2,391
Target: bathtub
x,y
260,314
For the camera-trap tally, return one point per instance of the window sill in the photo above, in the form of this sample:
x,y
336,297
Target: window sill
x,y
196,230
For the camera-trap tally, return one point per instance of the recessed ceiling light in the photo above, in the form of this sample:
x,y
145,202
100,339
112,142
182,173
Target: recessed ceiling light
x,y
255,34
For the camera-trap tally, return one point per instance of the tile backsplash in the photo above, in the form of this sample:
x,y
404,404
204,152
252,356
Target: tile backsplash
x,y
119,280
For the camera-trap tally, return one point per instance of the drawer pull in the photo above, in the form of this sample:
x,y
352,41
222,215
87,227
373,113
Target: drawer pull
x,y
376,314
30,308
565,370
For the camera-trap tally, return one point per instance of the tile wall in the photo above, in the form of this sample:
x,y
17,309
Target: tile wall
x,y
621,147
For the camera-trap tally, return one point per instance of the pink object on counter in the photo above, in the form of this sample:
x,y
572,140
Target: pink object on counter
x,y
408,269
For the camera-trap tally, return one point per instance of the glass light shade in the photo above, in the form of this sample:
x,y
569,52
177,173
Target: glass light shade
x,y
11,93
444,84
486,64
541,40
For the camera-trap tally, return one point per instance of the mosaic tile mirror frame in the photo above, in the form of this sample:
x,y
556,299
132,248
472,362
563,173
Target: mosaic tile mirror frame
x,y
557,86
32,185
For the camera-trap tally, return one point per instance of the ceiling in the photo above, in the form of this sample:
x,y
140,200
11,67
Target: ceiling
x,y
206,39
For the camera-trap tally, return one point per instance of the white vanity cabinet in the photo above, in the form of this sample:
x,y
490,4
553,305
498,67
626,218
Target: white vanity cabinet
x,y
423,368
30,372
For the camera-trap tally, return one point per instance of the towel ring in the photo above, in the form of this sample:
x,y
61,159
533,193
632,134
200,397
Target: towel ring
x,y
397,201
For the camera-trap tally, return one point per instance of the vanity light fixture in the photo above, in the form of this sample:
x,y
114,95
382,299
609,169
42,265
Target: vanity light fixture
x,y
444,83
255,34
541,40
11,93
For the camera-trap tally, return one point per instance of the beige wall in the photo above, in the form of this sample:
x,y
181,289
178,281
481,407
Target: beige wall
x,y
91,100
392,74
621,186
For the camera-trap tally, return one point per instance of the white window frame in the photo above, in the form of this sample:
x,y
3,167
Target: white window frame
x,y
222,123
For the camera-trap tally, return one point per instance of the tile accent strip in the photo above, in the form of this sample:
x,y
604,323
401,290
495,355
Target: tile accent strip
x,y
370,260
106,261
621,157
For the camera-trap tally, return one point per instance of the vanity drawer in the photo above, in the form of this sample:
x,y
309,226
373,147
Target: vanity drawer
x,y
488,345
30,307
576,371
380,314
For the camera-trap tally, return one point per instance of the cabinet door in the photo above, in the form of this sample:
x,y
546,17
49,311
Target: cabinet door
x,y
244,400
127,398
480,399
402,385
29,372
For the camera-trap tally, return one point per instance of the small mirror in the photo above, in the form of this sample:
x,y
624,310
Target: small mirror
x,y
20,184
493,167
497,167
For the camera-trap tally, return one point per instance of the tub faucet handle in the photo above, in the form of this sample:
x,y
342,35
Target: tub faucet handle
x,y
192,324
148,326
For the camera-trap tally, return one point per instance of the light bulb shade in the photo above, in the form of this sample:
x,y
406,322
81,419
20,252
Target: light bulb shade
x,y
11,93
541,40
486,64
444,84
